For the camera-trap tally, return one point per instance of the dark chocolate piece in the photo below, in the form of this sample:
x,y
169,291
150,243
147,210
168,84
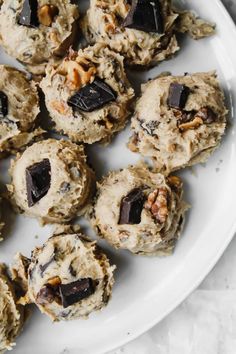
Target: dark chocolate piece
x,y
92,96
47,294
38,181
3,104
131,207
145,15
207,115
76,291
178,95
29,14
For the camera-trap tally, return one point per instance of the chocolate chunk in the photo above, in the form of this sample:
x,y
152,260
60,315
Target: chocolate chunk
x,y
47,294
76,291
38,181
207,115
145,15
92,96
3,104
131,207
178,95
29,14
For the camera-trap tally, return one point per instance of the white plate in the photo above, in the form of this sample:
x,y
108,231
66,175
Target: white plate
x,y
147,289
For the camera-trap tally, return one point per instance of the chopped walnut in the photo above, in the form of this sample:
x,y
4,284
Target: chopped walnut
x,y
54,281
120,7
111,22
79,72
194,124
59,106
157,203
47,13
193,119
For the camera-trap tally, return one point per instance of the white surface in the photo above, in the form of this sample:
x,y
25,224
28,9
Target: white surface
x,y
147,289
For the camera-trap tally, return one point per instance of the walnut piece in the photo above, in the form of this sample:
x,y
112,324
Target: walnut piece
x,y
79,72
111,22
47,13
54,281
157,203
194,124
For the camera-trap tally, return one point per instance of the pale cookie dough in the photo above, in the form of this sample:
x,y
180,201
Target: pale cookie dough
x,y
139,210
19,109
78,71
51,181
1,221
105,22
11,315
69,277
49,36
177,137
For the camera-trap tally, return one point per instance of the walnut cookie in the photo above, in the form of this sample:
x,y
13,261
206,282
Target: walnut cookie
x,y
39,31
18,110
179,120
12,315
88,95
51,181
143,31
68,278
139,210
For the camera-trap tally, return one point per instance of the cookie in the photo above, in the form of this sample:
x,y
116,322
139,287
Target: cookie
x,y
139,210
37,31
143,31
51,181
19,108
69,277
12,315
179,120
88,96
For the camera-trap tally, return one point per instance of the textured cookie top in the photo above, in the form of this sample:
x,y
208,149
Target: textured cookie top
x,y
88,95
69,276
142,31
51,181
33,31
19,108
180,120
139,210
11,314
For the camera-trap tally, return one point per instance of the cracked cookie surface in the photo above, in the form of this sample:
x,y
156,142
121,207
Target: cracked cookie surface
x,y
179,120
47,35
69,277
139,210
19,110
143,31
12,315
51,181
88,95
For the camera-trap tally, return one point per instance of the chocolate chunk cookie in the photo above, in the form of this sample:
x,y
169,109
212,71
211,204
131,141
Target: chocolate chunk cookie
x,y
19,108
51,181
179,120
88,96
12,315
143,31
139,210
37,31
69,276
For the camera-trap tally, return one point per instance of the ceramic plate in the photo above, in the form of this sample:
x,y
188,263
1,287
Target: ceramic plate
x,y
147,289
